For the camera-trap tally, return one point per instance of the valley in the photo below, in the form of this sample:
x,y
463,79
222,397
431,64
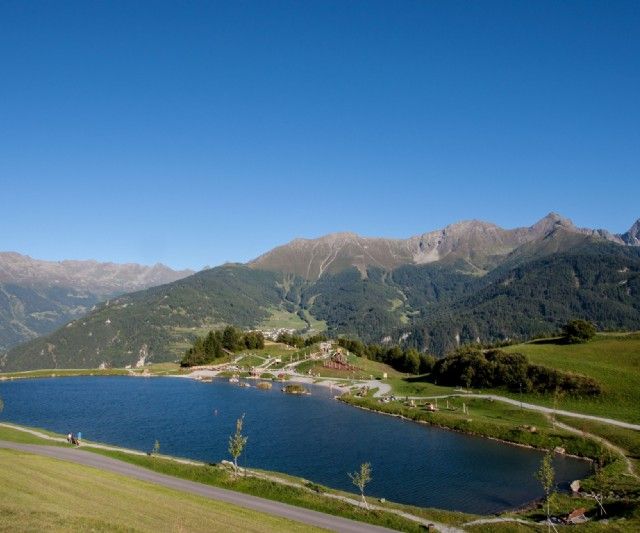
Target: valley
x,y
374,330
479,290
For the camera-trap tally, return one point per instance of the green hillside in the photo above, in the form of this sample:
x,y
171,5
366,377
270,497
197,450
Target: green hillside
x,y
433,307
27,312
599,282
611,359
158,323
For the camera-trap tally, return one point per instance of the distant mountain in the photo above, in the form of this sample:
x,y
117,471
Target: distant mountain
x,y
480,246
159,323
471,281
36,297
632,237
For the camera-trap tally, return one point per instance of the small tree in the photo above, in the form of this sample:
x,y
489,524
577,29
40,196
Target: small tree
x,y
546,476
156,448
237,442
602,487
360,479
577,331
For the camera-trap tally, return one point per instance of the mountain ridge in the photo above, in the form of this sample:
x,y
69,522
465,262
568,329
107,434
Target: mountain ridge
x,y
37,296
351,287
89,274
481,243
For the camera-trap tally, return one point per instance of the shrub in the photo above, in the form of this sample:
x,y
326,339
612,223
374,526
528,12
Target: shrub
x,y
472,367
577,331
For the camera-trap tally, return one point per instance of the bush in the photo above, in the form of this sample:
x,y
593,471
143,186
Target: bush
x,y
472,367
577,331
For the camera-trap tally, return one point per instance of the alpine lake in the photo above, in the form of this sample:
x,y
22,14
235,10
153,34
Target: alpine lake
x,y
311,436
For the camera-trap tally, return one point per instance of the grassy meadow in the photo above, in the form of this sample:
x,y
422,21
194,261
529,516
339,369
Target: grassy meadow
x,y
612,359
308,495
43,494
156,369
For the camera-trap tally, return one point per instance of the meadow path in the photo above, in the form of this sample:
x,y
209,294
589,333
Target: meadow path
x,y
533,407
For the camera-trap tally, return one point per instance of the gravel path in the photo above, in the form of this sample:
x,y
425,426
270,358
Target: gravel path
x,y
533,407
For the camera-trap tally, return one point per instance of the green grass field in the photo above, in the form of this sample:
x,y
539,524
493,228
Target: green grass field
x,y
43,494
221,477
156,369
613,360
416,386
489,419
250,360
64,372
23,437
627,439
281,318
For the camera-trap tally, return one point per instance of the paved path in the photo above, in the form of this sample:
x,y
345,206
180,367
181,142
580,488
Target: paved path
x,y
443,528
306,516
533,407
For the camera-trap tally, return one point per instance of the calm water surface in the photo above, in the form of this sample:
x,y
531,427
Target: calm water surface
x,y
314,437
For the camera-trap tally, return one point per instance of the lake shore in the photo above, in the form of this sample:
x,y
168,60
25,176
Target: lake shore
x,y
333,384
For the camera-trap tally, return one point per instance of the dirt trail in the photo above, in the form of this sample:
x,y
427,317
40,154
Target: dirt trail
x,y
603,441
534,407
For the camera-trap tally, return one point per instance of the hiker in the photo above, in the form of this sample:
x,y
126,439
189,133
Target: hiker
x,y
74,441
69,436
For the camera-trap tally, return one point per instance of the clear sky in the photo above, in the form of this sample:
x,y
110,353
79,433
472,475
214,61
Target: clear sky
x,y
193,133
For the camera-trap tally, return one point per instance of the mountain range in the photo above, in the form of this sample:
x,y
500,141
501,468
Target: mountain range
x,y
480,245
471,281
37,297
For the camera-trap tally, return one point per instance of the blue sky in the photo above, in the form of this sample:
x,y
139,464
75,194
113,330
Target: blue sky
x,y
193,133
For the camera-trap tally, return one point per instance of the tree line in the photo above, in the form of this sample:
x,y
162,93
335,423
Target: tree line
x,y
298,341
473,367
216,344
407,360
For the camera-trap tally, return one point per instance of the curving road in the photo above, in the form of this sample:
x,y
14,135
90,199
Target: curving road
x,y
305,516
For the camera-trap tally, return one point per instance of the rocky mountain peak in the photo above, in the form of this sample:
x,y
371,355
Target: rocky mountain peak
x,y
89,275
632,237
550,222
479,244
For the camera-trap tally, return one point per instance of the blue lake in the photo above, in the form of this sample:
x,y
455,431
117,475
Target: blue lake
x,y
315,437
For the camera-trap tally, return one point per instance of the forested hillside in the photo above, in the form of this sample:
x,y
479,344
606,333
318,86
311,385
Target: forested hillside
x,y
156,324
434,307
37,297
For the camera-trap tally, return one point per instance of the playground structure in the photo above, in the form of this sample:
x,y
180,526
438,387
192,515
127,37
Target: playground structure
x,y
339,361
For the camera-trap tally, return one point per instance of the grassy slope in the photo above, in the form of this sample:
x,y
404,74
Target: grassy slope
x,y
39,493
489,419
613,360
220,477
416,386
157,369
281,318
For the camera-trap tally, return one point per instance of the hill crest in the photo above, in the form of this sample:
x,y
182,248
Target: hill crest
x,y
482,245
